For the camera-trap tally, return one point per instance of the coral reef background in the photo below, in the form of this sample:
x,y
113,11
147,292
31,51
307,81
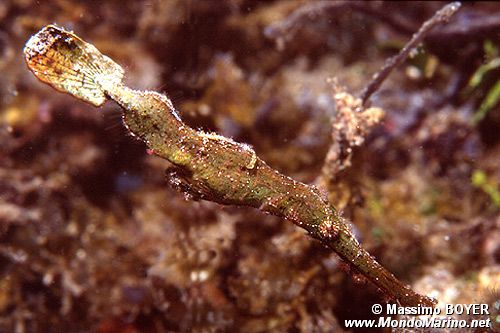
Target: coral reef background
x,y
92,238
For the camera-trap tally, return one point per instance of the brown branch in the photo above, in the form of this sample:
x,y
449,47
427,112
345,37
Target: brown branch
x,y
441,16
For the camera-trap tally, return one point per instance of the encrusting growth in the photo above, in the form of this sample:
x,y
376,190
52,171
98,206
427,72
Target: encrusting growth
x,y
206,166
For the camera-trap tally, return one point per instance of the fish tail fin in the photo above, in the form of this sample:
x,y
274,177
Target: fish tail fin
x,y
69,64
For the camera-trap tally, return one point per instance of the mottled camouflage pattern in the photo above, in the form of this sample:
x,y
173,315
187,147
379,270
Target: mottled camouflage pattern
x,y
206,166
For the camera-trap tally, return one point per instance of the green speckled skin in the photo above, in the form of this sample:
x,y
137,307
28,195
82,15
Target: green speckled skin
x,y
206,166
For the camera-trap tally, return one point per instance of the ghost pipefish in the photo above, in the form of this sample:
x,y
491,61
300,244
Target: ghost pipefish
x,y
206,166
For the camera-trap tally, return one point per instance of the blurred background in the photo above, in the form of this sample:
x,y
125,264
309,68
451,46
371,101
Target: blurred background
x,y
93,240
